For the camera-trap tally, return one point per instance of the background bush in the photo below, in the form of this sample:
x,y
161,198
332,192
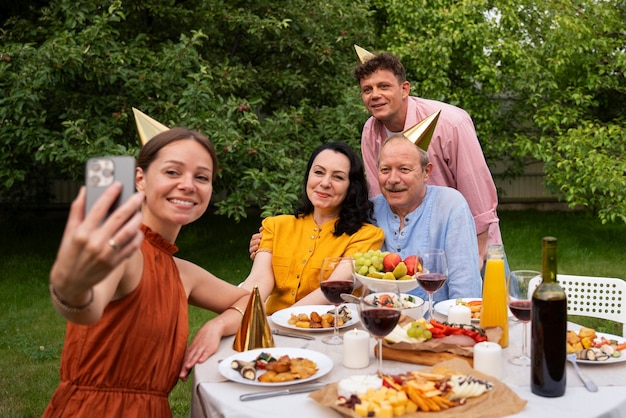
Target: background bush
x,y
268,81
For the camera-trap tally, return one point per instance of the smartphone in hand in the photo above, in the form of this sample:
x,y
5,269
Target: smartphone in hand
x,y
101,172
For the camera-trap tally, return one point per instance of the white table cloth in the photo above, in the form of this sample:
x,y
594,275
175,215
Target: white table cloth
x,y
215,397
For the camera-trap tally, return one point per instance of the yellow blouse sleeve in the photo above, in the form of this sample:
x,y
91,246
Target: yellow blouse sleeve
x,y
369,237
267,236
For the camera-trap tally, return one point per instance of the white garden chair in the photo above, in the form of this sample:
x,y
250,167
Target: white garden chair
x,y
597,297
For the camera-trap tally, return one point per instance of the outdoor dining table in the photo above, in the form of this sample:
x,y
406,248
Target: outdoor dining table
x,y
214,396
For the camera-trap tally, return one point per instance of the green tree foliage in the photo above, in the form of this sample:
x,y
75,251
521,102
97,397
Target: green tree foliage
x,y
541,79
575,98
264,80
268,81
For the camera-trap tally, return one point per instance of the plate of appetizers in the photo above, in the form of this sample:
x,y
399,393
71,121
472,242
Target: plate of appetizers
x,y
275,366
596,348
316,318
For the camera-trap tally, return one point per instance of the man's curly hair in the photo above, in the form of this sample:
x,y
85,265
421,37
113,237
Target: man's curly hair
x,y
382,61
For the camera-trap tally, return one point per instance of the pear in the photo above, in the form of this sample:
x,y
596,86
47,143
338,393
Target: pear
x,y
389,276
400,270
376,274
406,277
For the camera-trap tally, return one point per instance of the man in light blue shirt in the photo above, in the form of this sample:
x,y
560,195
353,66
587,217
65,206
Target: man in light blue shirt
x,y
415,217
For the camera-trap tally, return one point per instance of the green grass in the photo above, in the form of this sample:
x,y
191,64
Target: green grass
x,y
31,333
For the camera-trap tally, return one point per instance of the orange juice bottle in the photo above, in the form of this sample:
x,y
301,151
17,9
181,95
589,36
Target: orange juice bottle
x,y
494,312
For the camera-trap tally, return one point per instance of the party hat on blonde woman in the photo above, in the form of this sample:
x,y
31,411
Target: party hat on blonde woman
x,y
254,331
146,126
422,132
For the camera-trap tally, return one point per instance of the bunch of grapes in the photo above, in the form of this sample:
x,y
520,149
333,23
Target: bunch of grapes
x,y
418,329
369,262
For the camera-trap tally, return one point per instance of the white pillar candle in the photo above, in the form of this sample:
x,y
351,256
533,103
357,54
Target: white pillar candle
x,y
459,314
488,358
356,349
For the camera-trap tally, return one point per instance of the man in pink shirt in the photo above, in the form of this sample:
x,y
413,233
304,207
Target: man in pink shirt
x,y
454,150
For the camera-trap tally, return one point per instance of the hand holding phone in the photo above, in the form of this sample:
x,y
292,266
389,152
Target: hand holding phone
x,y
101,172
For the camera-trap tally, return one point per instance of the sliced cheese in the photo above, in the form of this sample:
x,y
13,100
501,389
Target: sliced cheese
x,y
466,386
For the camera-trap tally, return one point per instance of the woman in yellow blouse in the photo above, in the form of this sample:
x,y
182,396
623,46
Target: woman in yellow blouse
x,y
331,220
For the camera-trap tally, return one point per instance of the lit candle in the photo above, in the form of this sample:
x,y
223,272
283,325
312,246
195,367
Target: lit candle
x,y
459,314
356,349
488,358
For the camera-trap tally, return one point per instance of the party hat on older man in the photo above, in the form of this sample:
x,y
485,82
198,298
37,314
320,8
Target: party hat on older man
x,y
422,132
146,126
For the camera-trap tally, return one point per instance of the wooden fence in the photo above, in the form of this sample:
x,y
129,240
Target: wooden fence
x,y
525,191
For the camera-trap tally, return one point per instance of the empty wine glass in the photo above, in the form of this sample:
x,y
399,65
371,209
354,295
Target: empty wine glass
x,y
434,273
521,285
379,319
336,277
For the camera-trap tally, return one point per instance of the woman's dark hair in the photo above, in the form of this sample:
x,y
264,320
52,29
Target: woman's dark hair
x,y
356,209
150,150
382,61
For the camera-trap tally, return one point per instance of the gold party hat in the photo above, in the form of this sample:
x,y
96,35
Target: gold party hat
x,y
422,132
363,54
146,126
254,331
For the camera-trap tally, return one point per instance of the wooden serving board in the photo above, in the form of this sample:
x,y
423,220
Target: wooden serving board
x,y
427,358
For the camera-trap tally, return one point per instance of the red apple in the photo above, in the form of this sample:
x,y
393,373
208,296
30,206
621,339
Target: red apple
x,y
391,261
412,265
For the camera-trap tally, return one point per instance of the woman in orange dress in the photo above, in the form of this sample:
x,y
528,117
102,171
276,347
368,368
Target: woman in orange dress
x,y
124,293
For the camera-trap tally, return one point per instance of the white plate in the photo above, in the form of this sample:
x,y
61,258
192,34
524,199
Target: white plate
x,y
443,306
380,285
282,317
324,364
611,360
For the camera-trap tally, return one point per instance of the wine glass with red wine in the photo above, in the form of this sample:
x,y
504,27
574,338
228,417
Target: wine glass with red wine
x,y
379,319
434,273
521,284
336,277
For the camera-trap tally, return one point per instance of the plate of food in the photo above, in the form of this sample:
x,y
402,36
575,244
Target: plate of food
x,y
412,306
473,303
443,387
316,318
276,366
596,348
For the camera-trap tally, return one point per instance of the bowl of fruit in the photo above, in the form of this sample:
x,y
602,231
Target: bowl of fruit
x,y
411,306
382,271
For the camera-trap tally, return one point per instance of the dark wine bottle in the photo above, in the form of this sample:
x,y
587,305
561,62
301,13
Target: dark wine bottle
x,y
548,329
